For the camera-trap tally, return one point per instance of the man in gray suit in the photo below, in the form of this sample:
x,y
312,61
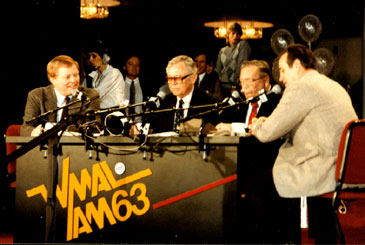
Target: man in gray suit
x,y
63,73
311,114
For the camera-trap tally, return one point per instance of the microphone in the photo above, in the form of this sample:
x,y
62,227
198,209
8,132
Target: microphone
x,y
79,95
155,101
116,124
276,89
236,95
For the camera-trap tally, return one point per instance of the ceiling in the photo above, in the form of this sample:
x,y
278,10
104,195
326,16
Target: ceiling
x,y
162,29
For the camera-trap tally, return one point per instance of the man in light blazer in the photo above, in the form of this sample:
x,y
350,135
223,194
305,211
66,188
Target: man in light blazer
x,y
63,73
311,114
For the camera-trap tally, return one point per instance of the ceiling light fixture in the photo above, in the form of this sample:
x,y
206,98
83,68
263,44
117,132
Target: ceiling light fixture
x,y
250,29
96,9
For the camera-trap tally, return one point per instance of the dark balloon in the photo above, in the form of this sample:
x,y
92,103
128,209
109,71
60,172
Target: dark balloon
x,y
280,40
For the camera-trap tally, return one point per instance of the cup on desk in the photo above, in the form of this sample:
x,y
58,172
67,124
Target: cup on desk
x,y
238,128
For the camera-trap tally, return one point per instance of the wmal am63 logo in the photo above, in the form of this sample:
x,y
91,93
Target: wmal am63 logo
x,y
102,179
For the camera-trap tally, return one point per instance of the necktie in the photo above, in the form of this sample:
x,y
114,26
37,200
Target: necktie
x,y
254,105
132,97
179,114
65,110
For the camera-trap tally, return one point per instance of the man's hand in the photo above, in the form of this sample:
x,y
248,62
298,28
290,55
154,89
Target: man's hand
x,y
37,131
255,122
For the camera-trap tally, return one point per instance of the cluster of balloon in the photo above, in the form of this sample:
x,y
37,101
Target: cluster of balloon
x,y
309,28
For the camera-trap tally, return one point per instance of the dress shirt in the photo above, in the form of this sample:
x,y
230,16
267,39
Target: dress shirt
x,y
186,100
201,77
60,102
249,110
139,94
111,87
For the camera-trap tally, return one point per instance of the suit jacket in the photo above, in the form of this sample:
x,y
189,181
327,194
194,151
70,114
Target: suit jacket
x,y
239,114
211,86
255,159
312,114
43,99
164,122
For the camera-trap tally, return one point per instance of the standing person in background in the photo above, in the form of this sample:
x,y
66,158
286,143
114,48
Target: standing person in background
x,y
137,90
106,80
207,82
230,58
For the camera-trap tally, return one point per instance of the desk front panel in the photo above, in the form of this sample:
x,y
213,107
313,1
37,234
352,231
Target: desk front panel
x,y
128,195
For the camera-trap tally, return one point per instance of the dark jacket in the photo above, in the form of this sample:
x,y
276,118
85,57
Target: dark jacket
x,y
163,122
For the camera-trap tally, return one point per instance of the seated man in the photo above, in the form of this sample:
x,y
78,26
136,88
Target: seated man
x,y
181,76
311,115
258,198
63,73
254,76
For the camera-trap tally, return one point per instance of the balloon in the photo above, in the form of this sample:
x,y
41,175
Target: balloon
x,y
310,27
324,60
276,72
280,40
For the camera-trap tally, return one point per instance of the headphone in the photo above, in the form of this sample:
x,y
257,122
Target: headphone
x,y
105,59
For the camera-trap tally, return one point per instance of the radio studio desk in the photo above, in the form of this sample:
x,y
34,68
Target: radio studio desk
x,y
164,192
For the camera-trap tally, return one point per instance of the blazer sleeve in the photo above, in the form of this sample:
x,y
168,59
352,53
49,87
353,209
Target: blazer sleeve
x,y
291,110
33,108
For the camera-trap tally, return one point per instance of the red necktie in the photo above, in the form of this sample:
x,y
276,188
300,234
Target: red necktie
x,y
254,105
65,110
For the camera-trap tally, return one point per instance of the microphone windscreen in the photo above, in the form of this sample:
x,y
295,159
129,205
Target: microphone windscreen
x,y
276,89
75,92
235,94
163,91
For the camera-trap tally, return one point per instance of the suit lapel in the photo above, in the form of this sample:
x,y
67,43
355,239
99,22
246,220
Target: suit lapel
x,y
51,102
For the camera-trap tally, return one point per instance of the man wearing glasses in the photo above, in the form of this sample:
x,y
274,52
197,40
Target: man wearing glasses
x,y
181,76
262,222
254,77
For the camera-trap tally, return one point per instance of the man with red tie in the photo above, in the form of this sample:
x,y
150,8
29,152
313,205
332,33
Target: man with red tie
x,y
254,77
258,199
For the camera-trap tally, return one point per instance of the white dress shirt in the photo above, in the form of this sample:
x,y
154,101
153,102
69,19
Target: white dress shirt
x,y
110,86
61,101
187,100
138,95
249,110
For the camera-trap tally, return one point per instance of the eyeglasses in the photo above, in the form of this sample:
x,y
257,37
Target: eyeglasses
x,y
177,79
251,81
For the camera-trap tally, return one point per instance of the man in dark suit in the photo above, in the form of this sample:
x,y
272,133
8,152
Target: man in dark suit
x,y
254,77
208,83
181,76
256,189
137,89
63,73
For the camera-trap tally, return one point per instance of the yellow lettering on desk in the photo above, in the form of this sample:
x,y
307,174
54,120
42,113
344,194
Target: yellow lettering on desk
x,y
101,179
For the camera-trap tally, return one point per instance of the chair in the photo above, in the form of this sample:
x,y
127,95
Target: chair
x,y
350,176
12,130
350,169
